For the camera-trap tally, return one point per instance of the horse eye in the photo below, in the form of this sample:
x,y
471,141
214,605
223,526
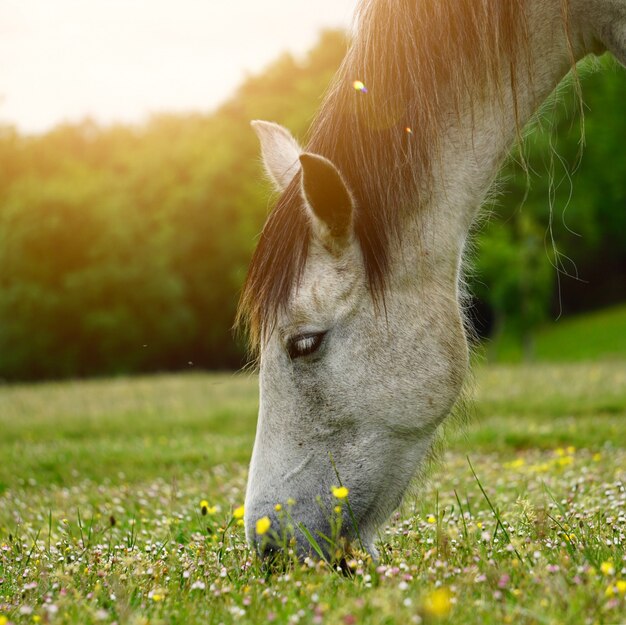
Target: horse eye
x,y
304,344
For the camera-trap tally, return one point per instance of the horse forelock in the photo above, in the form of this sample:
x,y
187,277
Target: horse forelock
x,y
422,64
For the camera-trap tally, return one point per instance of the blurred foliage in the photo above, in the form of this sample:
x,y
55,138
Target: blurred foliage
x,y
556,240
123,249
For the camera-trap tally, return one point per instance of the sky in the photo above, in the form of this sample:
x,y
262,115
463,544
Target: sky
x,y
122,60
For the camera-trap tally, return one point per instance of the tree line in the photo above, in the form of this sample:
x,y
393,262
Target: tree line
x,y
123,249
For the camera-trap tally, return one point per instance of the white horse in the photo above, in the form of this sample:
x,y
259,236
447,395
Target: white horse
x,y
352,298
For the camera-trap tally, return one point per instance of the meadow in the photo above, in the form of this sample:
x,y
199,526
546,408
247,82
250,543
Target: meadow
x,y
120,503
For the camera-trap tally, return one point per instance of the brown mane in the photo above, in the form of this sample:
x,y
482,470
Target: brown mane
x,y
420,60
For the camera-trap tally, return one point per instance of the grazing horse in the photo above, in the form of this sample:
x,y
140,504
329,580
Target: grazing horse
x,y
353,295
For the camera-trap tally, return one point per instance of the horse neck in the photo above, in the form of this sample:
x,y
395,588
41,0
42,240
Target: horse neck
x,y
473,149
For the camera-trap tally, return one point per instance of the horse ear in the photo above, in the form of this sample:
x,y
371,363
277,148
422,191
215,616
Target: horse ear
x,y
280,152
327,196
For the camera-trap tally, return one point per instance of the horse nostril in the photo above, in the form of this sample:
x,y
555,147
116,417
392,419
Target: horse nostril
x,y
264,531
276,536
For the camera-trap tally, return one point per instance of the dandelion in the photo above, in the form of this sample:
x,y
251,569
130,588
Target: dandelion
x,y
431,519
618,588
339,492
607,568
278,507
205,508
437,603
262,525
238,512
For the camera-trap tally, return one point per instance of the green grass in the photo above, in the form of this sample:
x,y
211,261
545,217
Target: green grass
x,y
585,337
580,338
124,429
100,522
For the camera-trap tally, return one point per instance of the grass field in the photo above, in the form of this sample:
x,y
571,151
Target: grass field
x,y
579,338
100,517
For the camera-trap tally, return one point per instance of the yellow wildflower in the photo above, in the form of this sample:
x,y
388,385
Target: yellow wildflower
x,y
157,597
431,519
437,603
607,568
565,460
238,512
596,457
340,492
3,620
515,464
278,507
337,509
618,588
262,525
36,618
291,501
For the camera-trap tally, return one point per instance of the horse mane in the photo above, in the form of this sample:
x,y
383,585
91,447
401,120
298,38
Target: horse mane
x,y
421,62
